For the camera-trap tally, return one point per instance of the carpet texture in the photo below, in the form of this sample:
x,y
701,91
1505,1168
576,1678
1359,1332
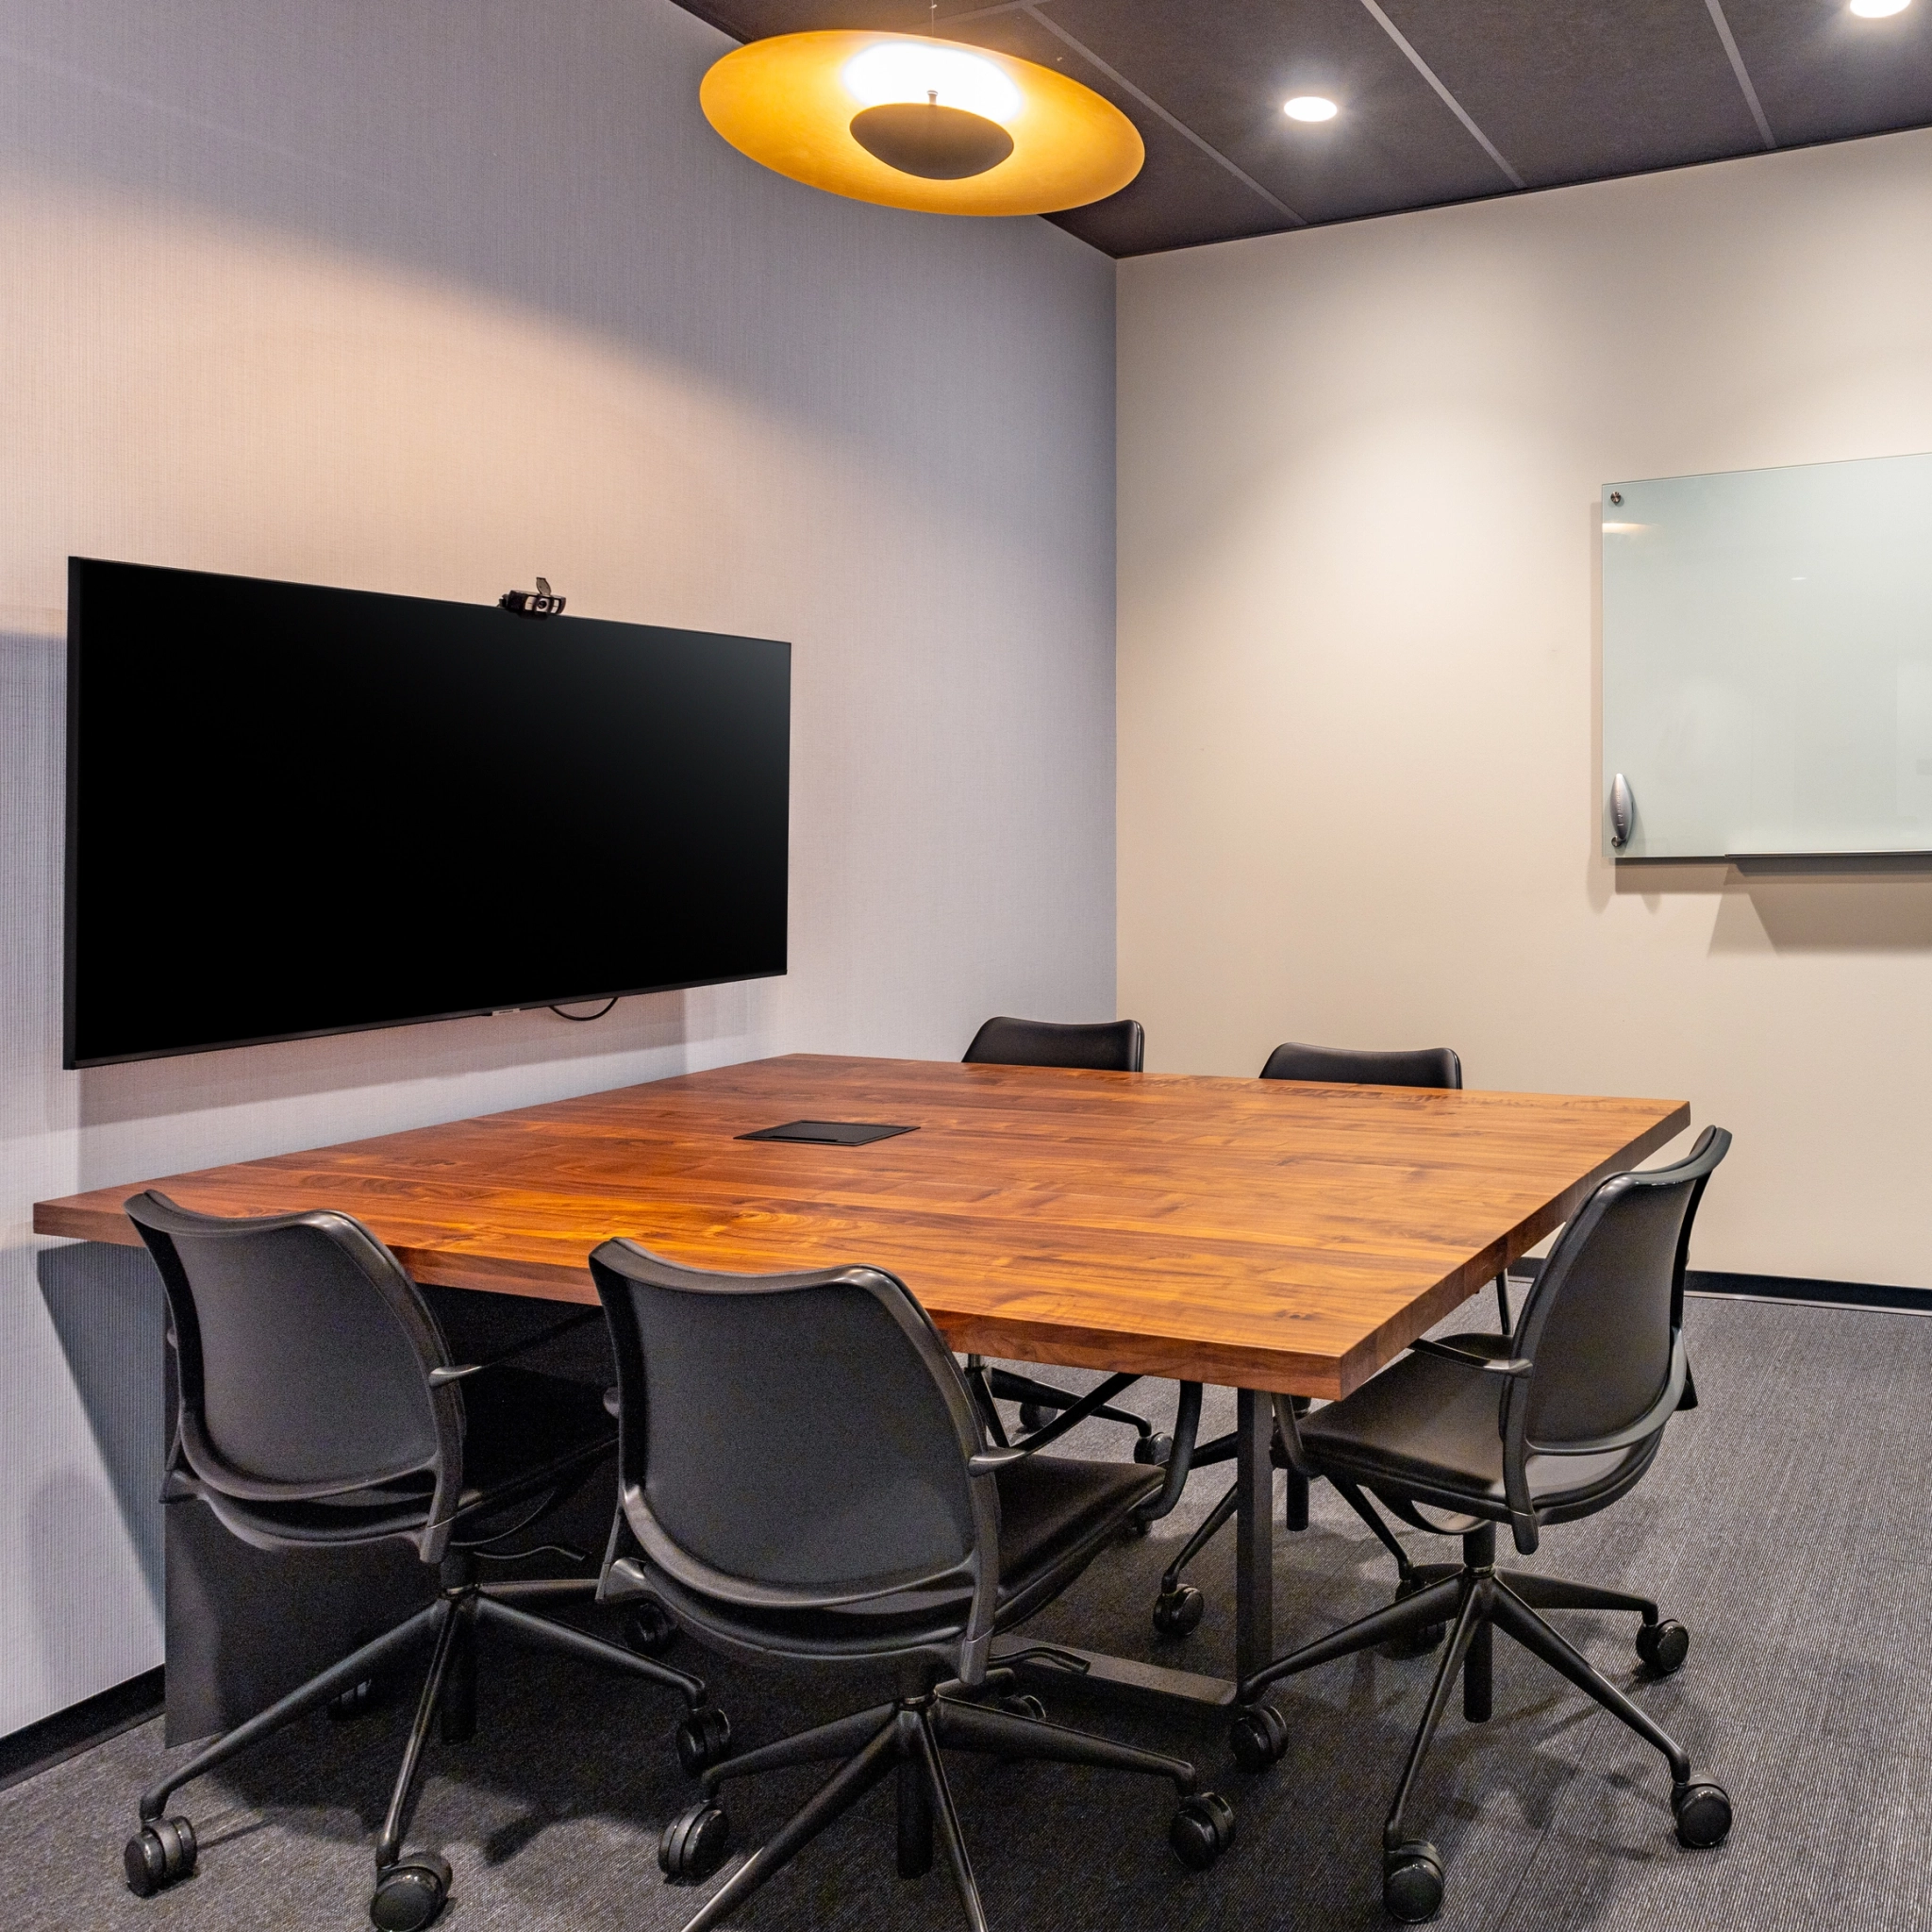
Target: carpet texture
x,y
1783,1522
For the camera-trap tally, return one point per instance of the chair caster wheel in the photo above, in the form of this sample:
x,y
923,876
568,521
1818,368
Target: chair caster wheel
x,y
1203,1828
1412,1882
409,1894
1704,1815
158,1854
695,1843
648,1629
704,1738
1177,1612
1036,1415
1153,1449
1258,1737
1663,1646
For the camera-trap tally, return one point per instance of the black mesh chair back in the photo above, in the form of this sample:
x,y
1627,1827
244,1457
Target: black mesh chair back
x,y
305,1354
317,1410
1550,1424
804,1475
1110,1046
1603,1326
808,1431
1422,1066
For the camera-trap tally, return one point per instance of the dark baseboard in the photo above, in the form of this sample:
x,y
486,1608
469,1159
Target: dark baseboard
x,y
1784,1287
80,1726
1816,1294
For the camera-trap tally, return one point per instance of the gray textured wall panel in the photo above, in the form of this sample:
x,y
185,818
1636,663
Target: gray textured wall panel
x,y
426,301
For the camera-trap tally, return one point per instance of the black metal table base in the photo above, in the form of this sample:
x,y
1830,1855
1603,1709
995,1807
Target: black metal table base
x,y
1058,1666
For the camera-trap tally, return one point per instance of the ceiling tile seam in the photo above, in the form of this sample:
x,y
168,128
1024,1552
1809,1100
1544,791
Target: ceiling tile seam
x,y
1154,107
1449,100
1738,67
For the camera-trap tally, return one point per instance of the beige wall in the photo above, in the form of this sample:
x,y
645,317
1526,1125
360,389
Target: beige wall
x,y
1358,785
427,299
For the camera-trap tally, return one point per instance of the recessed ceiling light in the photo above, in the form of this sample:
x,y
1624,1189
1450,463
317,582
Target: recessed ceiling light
x,y
1877,10
1314,108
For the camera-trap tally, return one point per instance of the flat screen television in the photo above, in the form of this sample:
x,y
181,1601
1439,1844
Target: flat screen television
x,y
295,810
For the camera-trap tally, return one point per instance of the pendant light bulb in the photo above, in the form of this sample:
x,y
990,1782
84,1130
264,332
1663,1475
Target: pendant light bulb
x,y
896,71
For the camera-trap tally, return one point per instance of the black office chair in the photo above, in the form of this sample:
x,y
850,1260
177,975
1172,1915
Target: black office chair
x,y
1108,1046
1553,1423
318,1410
805,1478
1178,1607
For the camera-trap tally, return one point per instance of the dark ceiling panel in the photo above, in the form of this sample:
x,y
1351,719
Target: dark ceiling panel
x,y
1178,200
1225,71
1565,90
756,20
1824,74
1182,191
1578,90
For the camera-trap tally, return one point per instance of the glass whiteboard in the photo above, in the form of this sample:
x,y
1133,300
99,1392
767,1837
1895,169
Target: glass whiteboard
x,y
1767,667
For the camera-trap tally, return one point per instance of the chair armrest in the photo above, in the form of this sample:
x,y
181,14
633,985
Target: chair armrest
x,y
1068,1418
440,1377
988,1460
1468,1359
1180,1458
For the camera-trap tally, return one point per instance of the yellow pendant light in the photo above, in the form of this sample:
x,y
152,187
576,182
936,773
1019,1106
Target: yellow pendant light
x,y
918,123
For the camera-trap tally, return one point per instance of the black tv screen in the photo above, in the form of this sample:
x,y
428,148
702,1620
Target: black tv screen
x,y
293,811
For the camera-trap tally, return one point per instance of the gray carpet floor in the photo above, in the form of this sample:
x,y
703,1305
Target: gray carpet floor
x,y
1785,1523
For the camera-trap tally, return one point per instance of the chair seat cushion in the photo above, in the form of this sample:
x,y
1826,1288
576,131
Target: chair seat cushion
x,y
1053,1509
1424,1424
1054,1513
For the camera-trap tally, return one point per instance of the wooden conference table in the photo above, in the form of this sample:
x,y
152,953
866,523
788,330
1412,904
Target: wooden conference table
x,y
1261,1234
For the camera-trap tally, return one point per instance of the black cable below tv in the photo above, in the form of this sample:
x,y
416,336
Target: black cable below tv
x,y
295,810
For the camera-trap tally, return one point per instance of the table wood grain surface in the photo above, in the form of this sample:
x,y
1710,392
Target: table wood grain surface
x,y
1262,1234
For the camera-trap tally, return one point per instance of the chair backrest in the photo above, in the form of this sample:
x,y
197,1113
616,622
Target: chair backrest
x,y
1108,1046
796,1443
303,1354
1601,1326
1422,1066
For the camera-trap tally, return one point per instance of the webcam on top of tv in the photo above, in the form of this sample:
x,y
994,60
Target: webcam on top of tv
x,y
541,602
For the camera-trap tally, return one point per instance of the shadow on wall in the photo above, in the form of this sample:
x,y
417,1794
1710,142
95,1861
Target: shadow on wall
x,y
109,1311
428,1052
505,149
1824,915
1847,912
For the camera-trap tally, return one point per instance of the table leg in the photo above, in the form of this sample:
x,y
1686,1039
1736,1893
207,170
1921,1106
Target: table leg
x,y
1059,1669
1254,1560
